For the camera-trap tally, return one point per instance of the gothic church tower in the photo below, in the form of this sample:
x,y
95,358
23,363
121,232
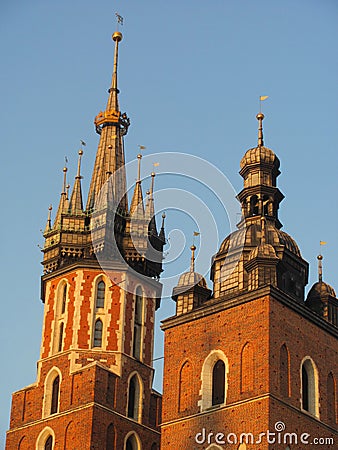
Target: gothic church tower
x,y
100,290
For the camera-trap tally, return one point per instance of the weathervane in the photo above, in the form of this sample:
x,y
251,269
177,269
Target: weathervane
x,y
119,19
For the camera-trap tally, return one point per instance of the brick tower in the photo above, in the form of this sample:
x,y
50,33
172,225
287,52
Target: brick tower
x,y
253,357
100,289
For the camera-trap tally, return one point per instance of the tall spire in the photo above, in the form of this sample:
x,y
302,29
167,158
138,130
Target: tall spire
x,y
49,220
260,117
137,201
76,203
150,210
192,262
64,203
320,268
112,126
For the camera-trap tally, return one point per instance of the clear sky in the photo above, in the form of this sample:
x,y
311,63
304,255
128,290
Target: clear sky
x,y
190,75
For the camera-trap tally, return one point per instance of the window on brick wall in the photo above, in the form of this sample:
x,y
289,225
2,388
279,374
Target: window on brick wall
x,y
331,399
64,299
284,372
134,396
98,333
110,437
309,383
100,294
133,443
60,337
55,395
49,443
218,383
138,324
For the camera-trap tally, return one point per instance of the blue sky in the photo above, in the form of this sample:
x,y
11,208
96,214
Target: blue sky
x,y
190,74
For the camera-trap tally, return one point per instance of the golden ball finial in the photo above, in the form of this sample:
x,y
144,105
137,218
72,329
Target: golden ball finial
x,y
139,156
65,169
164,215
80,152
319,257
193,248
110,146
260,116
153,174
117,36
50,207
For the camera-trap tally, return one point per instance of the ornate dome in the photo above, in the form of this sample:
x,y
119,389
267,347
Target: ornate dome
x,y
320,289
259,155
244,237
188,279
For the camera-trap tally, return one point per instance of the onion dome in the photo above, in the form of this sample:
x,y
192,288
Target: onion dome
x,y
259,155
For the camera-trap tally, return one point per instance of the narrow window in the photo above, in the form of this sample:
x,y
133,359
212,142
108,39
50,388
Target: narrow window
x,y
134,398
100,294
138,322
284,370
185,382
310,392
218,383
98,333
110,437
331,399
305,389
64,299
55,395
131,443
49,443
60,337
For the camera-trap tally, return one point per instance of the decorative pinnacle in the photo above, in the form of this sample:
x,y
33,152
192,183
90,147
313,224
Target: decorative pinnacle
x,y
64,180
260,117
139,157
192,263
153,174
320,268
163,219
78,175
67,191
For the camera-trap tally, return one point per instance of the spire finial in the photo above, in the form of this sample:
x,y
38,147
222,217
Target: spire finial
x,y
192,263
153,174
113,102
260,117
320,268
78,175
67,191
64,188
139,157
163,219
49,220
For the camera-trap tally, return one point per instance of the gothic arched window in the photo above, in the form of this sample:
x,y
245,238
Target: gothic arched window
x,y
100,294
138,323
55,395
331,399
284,371
218,383
49,443
98,333
64,299
134,398
132,443
60,336
309,387
110,437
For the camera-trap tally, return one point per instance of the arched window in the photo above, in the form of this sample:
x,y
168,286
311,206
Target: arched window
x,y
49,443
110,437
98,333
55,395
60,337
309,379
214,380
284,371
132,443
185,382
64,299
138,323
247,368
100,294
254,205
134,398
218,383
331,399
154,446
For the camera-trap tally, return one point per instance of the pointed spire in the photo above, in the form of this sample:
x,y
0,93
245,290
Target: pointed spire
x,y
76,203
64,204
162,232
137,201
150,210
320,268
260,117
192,262
113,91
49,220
